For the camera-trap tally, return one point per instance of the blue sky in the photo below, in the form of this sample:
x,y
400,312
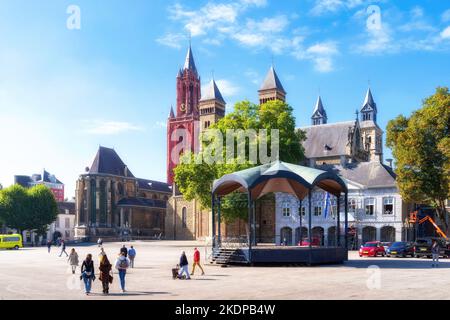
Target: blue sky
x,y
64,92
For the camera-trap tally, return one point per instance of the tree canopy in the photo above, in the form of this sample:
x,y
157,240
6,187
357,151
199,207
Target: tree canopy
x,y
194,178
27,209
421,148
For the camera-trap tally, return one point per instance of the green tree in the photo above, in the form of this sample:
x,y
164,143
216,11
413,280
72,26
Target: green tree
x,y
420,146
27,209
194,178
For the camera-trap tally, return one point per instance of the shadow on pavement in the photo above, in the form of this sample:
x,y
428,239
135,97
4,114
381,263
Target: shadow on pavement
x,y
129,294
395,264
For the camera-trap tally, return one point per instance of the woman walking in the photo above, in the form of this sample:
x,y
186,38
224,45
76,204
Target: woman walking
x,y
73,260
122,264
105,273
87,273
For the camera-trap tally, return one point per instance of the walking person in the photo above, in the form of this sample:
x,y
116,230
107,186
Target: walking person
x,y
73,260
63,248
131,256
87,273
100,242
105,273
49,245
122,264
435,251
101,254
124,250
184,266
197,262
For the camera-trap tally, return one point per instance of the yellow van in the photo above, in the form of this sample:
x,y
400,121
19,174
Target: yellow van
x,y
11,241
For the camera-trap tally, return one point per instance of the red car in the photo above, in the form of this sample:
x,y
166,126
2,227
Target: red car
x,y
372,249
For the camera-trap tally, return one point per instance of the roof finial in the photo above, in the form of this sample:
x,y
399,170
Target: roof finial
x,y
357,114
273,59
212,74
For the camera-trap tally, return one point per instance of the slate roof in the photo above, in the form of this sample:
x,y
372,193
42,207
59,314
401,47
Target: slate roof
x,y
154,186
369,101
107,161
212,93
272,81
369,174
319,110
190,63
63,206
143,203
327,140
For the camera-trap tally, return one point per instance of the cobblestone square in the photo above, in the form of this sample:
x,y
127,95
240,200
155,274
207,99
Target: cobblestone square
x,y
32,273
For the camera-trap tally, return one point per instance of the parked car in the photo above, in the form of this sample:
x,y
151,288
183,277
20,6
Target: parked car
x,y
422,247
401,249
11,241
372,249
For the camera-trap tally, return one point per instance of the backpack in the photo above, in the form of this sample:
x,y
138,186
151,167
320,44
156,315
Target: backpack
x,y
123,264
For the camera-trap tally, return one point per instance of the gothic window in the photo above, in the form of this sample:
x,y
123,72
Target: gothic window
x,y
93,201
184,217
370,206
388,205
120,189
113,202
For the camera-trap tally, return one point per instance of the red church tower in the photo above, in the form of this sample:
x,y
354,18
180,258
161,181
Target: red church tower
x,y
181,128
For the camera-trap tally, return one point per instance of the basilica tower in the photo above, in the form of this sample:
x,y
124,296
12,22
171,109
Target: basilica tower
x,y
371,133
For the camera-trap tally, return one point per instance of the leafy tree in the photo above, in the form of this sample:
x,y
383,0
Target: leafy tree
x,y
421,147
44,208
194,178
27,209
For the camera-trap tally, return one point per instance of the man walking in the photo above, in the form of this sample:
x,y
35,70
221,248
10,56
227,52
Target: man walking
x,y
197,262
184,266
131,256
435,251
63,248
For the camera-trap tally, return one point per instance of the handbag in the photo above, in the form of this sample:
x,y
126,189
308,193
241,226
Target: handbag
x,y
110,278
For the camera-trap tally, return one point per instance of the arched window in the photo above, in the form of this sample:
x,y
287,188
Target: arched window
x,y
103,202
120,189
184,217
93,202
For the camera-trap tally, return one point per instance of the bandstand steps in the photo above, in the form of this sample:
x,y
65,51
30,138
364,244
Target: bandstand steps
x,y
223,256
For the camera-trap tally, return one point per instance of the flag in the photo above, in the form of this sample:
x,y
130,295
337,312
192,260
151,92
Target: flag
x,y
327,204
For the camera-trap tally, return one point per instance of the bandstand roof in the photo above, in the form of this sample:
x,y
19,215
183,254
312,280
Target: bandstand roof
x,y
279,177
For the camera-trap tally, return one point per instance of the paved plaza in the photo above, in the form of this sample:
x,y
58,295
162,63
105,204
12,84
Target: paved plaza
x,y
32,273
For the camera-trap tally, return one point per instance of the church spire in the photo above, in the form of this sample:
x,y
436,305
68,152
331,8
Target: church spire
x,y
272,89
190,63
369,108
319,115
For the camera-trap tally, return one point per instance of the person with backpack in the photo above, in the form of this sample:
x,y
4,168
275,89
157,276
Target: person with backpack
x,y
435,251
122,264
105,273
63,248
73,260
197,262
87,273
131,256
184,266
124,250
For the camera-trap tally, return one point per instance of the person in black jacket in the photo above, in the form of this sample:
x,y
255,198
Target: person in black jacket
x,y
87,273
124,250
184,266
63,248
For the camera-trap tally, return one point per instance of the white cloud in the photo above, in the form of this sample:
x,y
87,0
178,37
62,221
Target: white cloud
x,y
172,40
446,33
417,21
322,7
226,87
99,127
446,16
